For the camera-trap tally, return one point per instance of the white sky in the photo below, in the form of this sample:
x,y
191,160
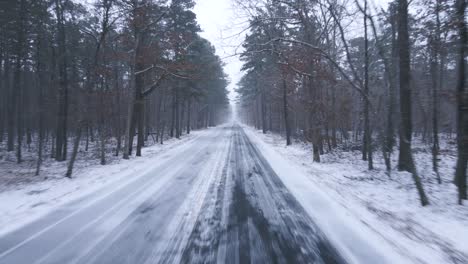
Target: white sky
x,y
223,27
220,25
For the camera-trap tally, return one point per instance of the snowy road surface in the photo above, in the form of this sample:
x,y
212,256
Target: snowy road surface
x,y
213,200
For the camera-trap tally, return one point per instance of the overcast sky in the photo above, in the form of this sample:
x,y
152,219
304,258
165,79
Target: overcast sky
x,y
219,23
223,27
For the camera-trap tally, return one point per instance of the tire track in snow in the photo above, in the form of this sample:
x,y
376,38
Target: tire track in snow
x,y
143,237
207,229
265,224
76,234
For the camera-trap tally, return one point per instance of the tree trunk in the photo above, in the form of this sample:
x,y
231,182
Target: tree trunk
x,y
173,113
392,70
435,125
119,142
270,114
133,101
76,145
61,132
367,128
182,116
147,119
177,111
18,92
103,146
17,85
141,122
263,111
40,139
315,147
128,128
40,84
163,121
133,123
87,137
3,100
462,100
405,162
285,111
189,111
10,108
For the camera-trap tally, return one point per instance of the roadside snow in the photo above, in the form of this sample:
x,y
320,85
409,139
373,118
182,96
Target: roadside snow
x,y
369,215
24,201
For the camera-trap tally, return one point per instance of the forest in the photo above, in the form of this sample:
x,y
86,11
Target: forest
x,y
373,76
233,131
114,74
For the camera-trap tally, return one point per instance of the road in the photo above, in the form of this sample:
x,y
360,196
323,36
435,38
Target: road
x,y
214,200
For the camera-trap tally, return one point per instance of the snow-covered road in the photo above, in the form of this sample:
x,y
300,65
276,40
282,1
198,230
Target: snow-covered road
x,y
214,199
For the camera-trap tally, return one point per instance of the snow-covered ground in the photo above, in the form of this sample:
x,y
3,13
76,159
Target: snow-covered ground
x,y
368,216
25,197
213,199
383,211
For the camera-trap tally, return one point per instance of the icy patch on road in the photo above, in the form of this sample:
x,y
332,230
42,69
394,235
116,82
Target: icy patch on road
x,y
384,212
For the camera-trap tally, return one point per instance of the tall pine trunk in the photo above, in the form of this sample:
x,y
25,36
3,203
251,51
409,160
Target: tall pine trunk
x,y
17,85
406,162
189,112
40,87
434,45
74,153
177,111
263,110
10,108
462,100
367,128
61,130
285,112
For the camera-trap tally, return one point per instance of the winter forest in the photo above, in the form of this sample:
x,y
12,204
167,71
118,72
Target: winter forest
x,y
337,73
233,131
111,73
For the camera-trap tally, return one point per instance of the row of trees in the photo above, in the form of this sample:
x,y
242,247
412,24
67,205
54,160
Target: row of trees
x,y
318,70
106,72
